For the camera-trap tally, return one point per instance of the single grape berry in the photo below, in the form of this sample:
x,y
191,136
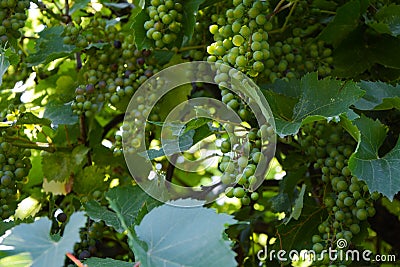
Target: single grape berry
x,y
62,217
84,255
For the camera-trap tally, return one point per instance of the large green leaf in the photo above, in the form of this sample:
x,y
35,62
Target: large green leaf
x,y
177,236
59,166
19,260
298,205
98,212
378,96
187,136
345,21
4,64
387,20
29,118
381,174
49,46
361,50
190,9
128,203
43,250
89,180
142,42
60,113
78,5
99,262
317,99
4,226
297,234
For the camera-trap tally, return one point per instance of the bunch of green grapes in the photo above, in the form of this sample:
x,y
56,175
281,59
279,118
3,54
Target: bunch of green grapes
x,y
241,37
12,17
346,198
100,240
165,22
111,74
240,162
92,233
131,133
15,164
92,30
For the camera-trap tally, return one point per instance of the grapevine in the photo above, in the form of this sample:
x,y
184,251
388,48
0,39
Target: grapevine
x,y
199,133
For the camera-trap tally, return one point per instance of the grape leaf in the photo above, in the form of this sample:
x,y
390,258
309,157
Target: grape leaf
x,y
297,234
58,166
4,226
177,236
378,96
100,262
29,118
43,250
78,5
381,174
361,50
190,9
345,21
141,40
4,64
194,131
387,20
19,260
89,180
49,46
128,201
208,3
59,113
317,99
98,212
298,205
163,56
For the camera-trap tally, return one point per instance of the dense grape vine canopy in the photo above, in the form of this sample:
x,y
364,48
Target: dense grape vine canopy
x,y
280,132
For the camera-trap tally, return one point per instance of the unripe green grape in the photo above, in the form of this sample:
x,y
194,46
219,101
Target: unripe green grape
x,y
241,179
361,214
258,66
341,186
213,29
244,114
371,211
360,203
339,215
237,40
229,192
226,178
257,157
233,104
245,200
242,162
318,247
254,196
355,228
348,201
252,180
258,55
239,192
